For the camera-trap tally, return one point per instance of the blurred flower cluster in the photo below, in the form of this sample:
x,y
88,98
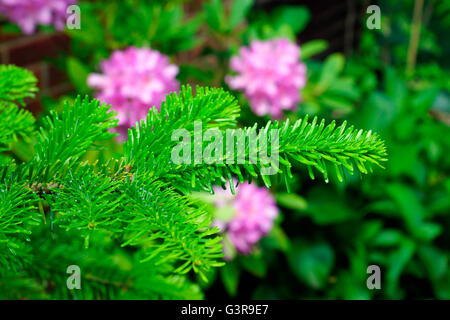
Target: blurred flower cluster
x,y
132,81
270,74
251,209
30,13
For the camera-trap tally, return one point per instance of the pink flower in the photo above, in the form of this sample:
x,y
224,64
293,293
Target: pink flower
x,y
254,210
132,81
27,14
270,74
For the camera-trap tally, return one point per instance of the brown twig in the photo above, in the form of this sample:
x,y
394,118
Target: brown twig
x,y
415,36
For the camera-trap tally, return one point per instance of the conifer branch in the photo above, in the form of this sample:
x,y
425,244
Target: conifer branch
x,y
65,138
141,200
16,83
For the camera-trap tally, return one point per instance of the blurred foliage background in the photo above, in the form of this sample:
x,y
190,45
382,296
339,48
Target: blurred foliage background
x,y
395,82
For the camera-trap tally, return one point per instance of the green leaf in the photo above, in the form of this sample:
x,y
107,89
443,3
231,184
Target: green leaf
x,y
396,88
255,264
336,102
334,210
276,239
435,261
78,73
215,15
312,263
296,17
238,12
388,237
313,47
412,211
442,287
397,262
378,112
291,201
424,99
230,277
334,65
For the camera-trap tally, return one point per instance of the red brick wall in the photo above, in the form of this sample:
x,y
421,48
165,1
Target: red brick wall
x,y
33,53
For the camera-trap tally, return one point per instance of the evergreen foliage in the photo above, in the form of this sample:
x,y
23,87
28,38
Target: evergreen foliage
x,y
56,209
15,85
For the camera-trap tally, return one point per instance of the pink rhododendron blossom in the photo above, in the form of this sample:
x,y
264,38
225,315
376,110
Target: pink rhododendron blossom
x,y
27,14
254,210
132,81
270,74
